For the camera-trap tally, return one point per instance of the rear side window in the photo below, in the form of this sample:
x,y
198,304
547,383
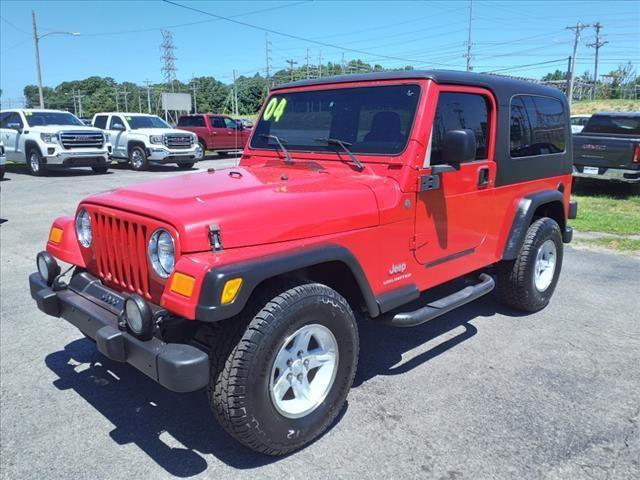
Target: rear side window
x,y
458,111
184,122
191,121
100,121
614,124
538,126
230,123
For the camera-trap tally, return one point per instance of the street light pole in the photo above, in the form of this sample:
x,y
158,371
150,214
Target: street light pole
x,y
36,41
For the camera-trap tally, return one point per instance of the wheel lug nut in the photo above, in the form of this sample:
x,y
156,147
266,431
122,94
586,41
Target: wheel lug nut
x,y
300,352
299,377
306,363
289,362
290,376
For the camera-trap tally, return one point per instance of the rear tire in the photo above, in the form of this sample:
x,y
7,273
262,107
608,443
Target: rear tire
x,y
35,163
138,159
100,170
252,376
528,282
2,172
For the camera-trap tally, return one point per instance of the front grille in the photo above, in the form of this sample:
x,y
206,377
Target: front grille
x,y
178,141
81,140
121,253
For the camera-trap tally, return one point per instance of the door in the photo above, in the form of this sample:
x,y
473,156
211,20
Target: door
x,y
11,127
234,134
117,129
219,137
452,219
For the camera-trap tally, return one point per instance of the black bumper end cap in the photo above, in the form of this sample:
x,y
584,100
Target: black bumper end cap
x,y
573,209
45,297
110,343
183,368
567,235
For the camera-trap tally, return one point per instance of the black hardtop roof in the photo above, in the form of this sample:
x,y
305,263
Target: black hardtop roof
x,y
502,87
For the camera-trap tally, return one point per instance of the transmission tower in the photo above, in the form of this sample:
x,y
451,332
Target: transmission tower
x,y
168,59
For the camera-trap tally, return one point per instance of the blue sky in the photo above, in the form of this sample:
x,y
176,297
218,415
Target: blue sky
x,y
122,39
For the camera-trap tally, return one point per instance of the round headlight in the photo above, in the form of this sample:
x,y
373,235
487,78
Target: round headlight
x,y
162,252
83,228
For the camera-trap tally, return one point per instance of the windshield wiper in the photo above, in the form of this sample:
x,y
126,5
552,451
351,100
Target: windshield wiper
x,y
345,146
279,141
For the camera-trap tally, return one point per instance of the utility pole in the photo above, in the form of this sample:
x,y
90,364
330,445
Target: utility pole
x,y
235,94
126,103
307,64
73,97
291,63
267,50
36,41
194,87
77,97
342,64
568,74
139,101
320,64
597,44
117,102
468,56
148,96
578,28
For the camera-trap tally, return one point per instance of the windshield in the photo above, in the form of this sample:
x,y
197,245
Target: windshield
x,y
374,120
616,125
143,121
51,118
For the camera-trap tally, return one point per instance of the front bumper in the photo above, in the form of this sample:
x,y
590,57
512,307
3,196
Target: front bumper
x,y
160,154
54,155
92,307
614,174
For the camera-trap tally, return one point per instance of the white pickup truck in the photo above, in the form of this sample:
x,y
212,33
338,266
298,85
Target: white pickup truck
x,y
3,159
140,138
47,139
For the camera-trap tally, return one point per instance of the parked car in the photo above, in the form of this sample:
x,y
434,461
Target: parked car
x,y
245,122
216,132
141,139
608,147
578,122
355,195
47,139
3,159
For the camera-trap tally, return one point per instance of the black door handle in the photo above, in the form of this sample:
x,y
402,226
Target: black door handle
x,y
483,176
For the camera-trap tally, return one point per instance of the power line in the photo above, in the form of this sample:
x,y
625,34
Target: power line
x,y
12,25
515,67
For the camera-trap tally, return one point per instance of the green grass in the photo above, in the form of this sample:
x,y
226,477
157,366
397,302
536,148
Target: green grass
x,y
620,244
607,214
586,107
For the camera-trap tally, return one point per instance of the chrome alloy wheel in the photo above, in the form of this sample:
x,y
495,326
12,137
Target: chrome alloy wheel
x,y
199,152
304,371
34,162
137,159
545,265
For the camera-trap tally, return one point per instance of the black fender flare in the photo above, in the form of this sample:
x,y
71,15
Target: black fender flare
x,y
255,271
136,143
28,145
524,216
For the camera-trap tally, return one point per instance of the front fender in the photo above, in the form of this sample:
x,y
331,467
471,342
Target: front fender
x,y
67,249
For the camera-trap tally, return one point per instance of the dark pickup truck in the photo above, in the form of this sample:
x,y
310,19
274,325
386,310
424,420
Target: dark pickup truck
x,y
608,148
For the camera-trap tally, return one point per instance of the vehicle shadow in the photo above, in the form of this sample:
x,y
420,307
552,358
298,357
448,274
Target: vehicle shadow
x,y
178,430
619,190
21,169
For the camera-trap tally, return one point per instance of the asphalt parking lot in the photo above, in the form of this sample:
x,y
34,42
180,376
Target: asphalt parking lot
x,y
480,393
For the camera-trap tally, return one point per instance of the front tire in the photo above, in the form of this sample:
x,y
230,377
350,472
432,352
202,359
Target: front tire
x,y
185,166
281,371
528,282
100,170
35,163
138,159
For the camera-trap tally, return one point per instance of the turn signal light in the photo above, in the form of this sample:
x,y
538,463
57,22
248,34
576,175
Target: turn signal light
x,y
230,290
636,154
182,284
55,235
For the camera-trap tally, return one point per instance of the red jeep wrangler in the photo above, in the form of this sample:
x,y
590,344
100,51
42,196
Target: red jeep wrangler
x,y
355,194
216,132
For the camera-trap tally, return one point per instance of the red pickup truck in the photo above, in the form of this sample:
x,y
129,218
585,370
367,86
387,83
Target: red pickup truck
x,y
355,195
216,132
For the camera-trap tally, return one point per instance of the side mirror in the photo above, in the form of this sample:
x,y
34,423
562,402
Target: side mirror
x,y
15,126
118,126
458,146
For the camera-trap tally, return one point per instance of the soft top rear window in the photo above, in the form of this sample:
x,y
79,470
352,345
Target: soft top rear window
x,y
614,124
372,120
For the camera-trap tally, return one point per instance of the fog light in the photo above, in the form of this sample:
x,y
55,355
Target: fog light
x,y
230,290
48,268
138,316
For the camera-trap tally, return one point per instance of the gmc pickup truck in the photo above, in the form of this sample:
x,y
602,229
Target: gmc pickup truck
x,y
608,148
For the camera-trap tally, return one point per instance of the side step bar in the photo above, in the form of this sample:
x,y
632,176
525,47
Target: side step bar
x,y
444,305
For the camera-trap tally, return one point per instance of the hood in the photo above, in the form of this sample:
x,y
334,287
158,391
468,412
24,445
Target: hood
x,y
63,128
252,205
159,131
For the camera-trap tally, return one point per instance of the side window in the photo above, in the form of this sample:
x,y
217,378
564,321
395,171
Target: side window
x,y
116,123
217,122
4,117
185,122
198,121
11,118
457,111
100,121
230,123
538,126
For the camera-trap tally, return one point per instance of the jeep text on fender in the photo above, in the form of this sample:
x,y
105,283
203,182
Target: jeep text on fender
x,y
354,195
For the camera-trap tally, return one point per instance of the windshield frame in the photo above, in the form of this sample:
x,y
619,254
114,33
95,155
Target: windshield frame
x,y
337,154
129,118
29,114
